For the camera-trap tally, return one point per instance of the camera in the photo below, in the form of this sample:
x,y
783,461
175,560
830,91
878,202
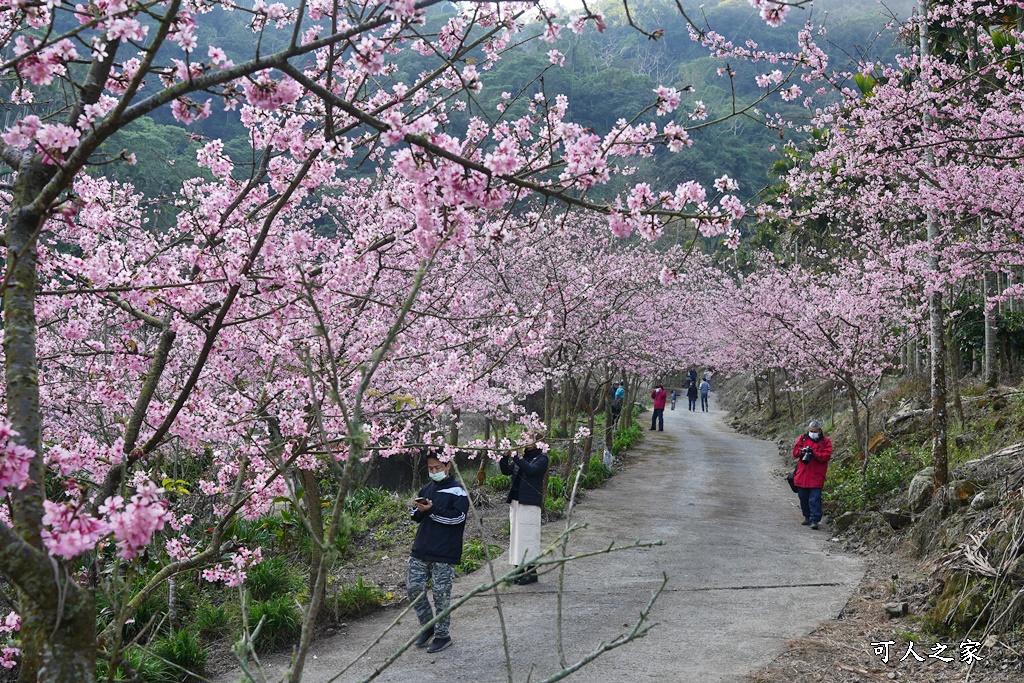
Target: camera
x,y
807,453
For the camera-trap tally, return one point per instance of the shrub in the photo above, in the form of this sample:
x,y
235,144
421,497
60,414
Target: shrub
x,y
474,555
178,656
282,622
596,473
887,472
212,621
153,608
271,578
627,438
557,488
366,498
555,506
358,599
498,482
147,668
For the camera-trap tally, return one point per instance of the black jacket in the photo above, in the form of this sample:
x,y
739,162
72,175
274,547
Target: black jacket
x,y
439,538
527,474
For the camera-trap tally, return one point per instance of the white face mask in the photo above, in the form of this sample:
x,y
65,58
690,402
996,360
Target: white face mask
x,y
814,435
437,476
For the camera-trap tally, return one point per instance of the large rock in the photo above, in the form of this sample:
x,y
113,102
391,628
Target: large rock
x,y
962,492
879,442
919,494
848,519
897,519
908,419
985,499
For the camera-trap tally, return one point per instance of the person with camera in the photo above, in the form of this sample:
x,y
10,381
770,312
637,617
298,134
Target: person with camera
x,y
524,499
658,416
440,510
813,450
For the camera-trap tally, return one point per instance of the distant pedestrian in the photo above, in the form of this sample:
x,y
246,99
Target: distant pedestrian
x,y
707,375
524,499
673,397
691,375
440,510
618,397
691,394
658,416
705,389
813,450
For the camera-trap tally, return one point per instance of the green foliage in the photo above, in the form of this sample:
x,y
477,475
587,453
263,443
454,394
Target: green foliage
x,y
135,660
557,488
212,621
178,656
887,472
474,555
557,456
152,609
355,600
272,577
498,482
555,506
596,473
366,498
961,604
626,438
282,622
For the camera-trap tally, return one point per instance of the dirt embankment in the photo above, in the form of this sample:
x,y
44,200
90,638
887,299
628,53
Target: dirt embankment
x,y
943,598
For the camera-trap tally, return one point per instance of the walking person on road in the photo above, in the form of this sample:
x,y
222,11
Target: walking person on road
x,y
440,510
658,416
813,450
691,395
524,499
618,397
705,389
672,396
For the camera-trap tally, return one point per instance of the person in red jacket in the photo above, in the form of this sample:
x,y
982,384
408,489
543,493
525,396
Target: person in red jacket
x,y
659,397
813,450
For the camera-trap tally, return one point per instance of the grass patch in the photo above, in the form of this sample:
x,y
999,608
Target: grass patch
x,y
627,438
498,482
212,621
282,622
355,600
180,657
596,473
474,555
888,472
271,578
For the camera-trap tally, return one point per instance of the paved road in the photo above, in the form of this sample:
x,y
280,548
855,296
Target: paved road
x,y
744,577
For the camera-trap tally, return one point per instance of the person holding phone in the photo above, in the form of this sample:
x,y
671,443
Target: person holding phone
x,y
524,499
440,510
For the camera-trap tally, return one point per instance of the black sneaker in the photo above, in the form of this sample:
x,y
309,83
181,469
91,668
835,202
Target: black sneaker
x,y
424,639
806,522
526,579
814,525
439,644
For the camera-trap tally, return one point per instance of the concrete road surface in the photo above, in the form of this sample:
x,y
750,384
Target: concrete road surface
x,y
743,577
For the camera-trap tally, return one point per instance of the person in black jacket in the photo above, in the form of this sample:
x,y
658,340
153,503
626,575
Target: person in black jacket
x,y
525,498
440,509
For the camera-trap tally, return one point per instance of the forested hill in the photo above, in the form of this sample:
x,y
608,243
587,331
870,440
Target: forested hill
x,y
606,77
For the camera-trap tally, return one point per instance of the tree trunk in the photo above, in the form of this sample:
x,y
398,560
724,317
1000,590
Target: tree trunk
x,y
858,428
315,515
953,366
481,472
757,393
991,332
58,617
772,402
936,317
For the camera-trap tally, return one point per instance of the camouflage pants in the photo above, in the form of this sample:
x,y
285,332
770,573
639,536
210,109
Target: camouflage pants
x,y
440,576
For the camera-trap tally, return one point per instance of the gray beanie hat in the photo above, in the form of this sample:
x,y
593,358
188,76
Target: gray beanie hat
x,y
814,425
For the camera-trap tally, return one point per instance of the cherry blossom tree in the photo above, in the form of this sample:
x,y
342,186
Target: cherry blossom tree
x,y
284,318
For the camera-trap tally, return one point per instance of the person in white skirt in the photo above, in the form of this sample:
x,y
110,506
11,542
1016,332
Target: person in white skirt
x,y
525,499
